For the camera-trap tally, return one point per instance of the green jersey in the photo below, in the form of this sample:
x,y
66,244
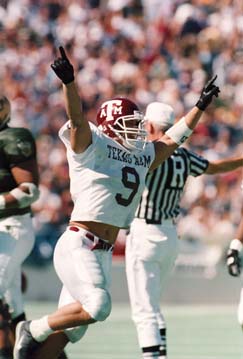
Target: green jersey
x,y
17,145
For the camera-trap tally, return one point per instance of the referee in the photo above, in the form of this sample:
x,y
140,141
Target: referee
x,y
152,245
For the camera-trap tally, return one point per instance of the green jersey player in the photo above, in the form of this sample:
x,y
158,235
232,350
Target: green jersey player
x,y
18,190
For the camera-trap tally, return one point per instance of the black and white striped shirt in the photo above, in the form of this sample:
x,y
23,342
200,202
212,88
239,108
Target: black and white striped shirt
x,y
164,185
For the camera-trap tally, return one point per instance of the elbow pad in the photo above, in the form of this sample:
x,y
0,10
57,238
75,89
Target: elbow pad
x,y
25,199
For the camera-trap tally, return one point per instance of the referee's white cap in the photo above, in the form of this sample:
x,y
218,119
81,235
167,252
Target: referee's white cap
x,y
160,113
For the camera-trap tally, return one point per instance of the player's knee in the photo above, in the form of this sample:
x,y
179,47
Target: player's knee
x,y
99,304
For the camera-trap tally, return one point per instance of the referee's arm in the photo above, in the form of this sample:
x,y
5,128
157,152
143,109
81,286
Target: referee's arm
x,y
224,165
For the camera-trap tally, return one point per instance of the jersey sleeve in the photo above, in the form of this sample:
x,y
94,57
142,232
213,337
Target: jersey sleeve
x,y
19,146
197,163
64,135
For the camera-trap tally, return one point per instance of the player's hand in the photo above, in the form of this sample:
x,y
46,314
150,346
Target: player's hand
x,y
233,262
63,68
209,90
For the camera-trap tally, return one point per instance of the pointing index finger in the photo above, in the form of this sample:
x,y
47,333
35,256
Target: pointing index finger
x,y
63,53
211,81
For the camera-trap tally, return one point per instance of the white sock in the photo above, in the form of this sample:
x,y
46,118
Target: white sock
x,y
40,329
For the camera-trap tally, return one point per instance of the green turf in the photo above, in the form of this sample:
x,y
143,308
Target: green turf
x,y
194,332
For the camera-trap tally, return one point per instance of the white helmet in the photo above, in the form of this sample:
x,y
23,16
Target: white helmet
x,y
160,114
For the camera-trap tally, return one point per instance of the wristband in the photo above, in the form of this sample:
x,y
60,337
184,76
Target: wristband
x,y
236,244
25,199
2,202
180,132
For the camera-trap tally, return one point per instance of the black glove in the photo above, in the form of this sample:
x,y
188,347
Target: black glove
x,y
63,68
233,262
207,94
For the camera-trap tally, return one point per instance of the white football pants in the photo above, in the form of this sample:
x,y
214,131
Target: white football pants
x,y
16,243
151,251
86,277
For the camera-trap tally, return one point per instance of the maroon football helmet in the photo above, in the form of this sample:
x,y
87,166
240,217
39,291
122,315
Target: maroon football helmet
x,y
120,118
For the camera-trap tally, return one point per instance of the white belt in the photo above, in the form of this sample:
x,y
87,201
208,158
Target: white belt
x,y
98,242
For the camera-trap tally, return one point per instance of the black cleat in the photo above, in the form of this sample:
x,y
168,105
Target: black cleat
x,y
25,344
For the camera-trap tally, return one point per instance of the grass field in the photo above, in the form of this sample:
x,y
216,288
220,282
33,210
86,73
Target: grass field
x,y
194,332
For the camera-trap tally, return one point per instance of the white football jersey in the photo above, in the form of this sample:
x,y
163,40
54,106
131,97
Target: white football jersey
x,y
106,180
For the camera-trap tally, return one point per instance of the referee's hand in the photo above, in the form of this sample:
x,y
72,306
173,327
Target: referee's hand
x,y
208,92
63,68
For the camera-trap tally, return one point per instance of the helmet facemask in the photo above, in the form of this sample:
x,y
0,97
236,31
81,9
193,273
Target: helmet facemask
x,y
130,130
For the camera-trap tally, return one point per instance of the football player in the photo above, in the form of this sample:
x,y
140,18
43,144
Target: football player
x,y
18,190
234,258
152,244
107,166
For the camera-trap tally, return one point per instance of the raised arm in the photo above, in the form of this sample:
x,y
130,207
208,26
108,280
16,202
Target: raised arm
x,y
80,135
179,133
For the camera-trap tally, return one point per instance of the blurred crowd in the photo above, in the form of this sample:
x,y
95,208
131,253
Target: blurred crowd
x,y
147,50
